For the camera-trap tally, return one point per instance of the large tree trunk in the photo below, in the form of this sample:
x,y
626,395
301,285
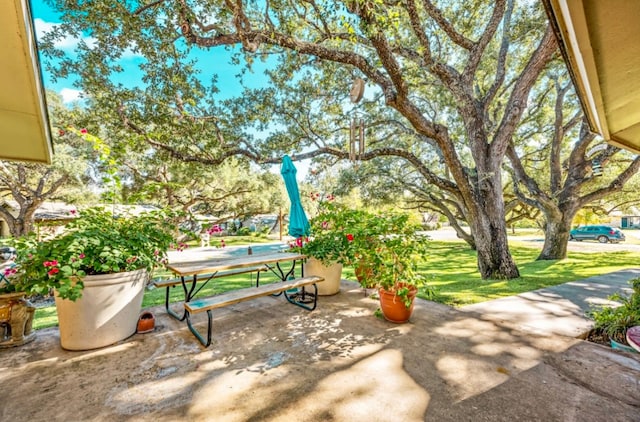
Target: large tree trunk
x,y
494,258
556,236
21,225
489,230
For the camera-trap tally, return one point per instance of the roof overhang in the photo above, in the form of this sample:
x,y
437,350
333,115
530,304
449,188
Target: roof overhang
x,y
600,42
24,125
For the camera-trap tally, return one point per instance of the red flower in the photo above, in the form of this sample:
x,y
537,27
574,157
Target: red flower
x,y
53,271
61,132
84,131
350,237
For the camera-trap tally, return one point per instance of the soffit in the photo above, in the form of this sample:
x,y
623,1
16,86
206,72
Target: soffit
x,y
600,41
24,125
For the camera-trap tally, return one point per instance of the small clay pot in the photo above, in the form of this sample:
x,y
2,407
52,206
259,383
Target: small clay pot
x,y
146,323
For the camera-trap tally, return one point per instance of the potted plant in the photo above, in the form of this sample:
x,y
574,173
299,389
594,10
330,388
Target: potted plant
x,y
16,312
98,268
330,244
389,248
613,322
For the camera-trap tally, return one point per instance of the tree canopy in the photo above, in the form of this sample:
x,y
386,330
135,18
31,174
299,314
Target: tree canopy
x,y
447,84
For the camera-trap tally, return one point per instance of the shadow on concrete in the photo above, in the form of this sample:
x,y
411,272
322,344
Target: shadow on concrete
x,y
272,361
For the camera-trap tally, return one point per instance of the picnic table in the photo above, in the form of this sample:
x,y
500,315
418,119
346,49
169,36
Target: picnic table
x,y
194,275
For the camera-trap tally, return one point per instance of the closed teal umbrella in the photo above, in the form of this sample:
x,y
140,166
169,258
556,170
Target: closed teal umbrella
x,y
298,222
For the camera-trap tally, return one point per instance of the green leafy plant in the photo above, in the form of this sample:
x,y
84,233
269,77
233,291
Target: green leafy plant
x,y
615,321
96,242
390,249
385,248
334,231
8,271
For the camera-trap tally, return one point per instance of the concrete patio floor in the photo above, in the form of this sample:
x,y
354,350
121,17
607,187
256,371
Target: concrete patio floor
x,y
276,362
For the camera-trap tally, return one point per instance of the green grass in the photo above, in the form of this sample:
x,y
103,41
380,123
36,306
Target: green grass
x,y
451,269
233,240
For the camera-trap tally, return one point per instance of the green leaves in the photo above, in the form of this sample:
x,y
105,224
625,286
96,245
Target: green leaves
x,y
97,242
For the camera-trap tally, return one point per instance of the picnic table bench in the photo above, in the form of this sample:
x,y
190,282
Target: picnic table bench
x,y
210,303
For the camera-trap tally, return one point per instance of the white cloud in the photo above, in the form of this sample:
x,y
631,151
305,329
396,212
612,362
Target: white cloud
x,y
67,43
70,95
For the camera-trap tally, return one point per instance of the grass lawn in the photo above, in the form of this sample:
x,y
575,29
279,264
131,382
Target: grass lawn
x,y
451,270
233,240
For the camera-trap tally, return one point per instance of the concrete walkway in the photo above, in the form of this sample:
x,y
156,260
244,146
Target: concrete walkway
x,y
274,362
558,310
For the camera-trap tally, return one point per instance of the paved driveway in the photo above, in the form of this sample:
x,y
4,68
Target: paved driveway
x,y
537,240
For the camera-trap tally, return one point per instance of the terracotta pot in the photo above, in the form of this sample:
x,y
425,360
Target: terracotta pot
x,y
393,307
146,323
331,274
106,313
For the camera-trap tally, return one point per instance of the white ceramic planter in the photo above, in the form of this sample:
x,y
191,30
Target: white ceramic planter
x,y
332,275
107,312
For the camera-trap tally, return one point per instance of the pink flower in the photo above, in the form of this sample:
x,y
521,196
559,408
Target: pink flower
x,y
53,271
53,263
61,132
81,256
350,237
325,224
299,242
156,252
84,131
73,212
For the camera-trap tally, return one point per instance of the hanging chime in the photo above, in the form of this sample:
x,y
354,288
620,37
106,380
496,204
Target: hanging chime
x,y
356,135
356,129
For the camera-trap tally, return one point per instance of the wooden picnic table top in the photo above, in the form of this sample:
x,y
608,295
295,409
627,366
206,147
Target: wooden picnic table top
x,y
212,265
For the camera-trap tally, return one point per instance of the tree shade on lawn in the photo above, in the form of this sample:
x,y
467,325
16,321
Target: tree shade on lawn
x,y
298,222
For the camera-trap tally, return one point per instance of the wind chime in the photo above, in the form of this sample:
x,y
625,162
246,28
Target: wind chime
x,y
356,129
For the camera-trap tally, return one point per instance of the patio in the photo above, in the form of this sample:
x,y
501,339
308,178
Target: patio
x,y
271,362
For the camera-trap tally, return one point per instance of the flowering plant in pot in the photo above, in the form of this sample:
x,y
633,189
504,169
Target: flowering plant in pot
x,y
16,312
8,270
98,267
332,234
95,242
330,243
391,249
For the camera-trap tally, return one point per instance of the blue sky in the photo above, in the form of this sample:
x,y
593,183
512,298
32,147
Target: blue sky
x,y
45,19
